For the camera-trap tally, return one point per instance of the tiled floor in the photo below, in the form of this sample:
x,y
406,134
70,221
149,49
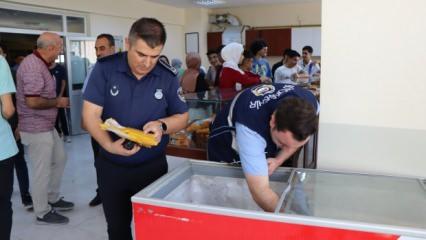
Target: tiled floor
x,y
78,185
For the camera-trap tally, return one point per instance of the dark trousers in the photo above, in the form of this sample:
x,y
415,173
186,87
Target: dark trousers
x,y
6,189
21,170
61,124
95,148
117,184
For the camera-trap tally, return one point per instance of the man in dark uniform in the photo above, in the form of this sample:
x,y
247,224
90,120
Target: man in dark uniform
x,y
141,92
262,127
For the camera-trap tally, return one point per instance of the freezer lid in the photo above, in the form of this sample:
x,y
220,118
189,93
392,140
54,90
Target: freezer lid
x,y
357,197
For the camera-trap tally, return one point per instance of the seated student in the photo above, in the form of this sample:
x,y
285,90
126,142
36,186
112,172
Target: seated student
x,y
231,73
289,72
193,79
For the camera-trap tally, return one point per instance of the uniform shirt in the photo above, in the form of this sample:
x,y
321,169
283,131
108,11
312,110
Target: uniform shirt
x,y
34,80
261,67
250,125
60,74
134,102
8,145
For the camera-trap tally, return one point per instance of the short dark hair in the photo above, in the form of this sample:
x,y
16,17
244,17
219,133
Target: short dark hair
x,y
286,51
308,48
257,45
292,54
150,30
297,116
211,51
108,37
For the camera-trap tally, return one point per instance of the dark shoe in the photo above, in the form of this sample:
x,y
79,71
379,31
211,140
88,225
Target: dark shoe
x,y
62,205
95,201
52,217
27,201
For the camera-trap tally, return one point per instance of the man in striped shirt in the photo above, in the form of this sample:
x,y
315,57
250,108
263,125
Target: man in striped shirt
x,y
38,105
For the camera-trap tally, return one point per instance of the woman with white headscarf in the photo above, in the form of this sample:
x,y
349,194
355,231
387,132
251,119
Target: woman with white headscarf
x,y
231,74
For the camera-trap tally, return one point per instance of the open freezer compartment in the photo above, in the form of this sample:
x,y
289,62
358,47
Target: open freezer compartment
x,y
211,200
393,201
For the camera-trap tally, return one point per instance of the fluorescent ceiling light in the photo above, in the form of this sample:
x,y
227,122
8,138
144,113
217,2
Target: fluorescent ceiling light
x,y
209,2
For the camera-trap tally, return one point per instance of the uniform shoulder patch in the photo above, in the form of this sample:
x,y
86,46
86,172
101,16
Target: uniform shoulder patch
x,y
262,90
168,67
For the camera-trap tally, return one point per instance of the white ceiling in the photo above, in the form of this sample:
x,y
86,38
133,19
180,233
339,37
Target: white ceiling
x,y
229,3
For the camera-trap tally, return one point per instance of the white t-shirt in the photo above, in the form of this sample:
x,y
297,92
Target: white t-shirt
x,y
284,74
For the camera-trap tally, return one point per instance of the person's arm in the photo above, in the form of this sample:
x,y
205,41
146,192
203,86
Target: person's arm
x,y
246,80
174,124
261,192
284,154
61,92
37,102
92,119
7,87
252,155
7,108
268,69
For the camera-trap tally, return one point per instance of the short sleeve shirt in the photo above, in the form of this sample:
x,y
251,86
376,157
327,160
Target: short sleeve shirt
x,y
132,102
261,67
35,80
8,145
60,74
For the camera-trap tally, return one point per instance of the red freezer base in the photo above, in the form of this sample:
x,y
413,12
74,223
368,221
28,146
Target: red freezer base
x,y
152,222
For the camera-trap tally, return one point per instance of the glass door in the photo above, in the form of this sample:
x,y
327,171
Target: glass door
x,y
81,57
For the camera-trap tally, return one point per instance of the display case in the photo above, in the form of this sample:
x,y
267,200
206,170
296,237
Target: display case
x,y
192,141
204,200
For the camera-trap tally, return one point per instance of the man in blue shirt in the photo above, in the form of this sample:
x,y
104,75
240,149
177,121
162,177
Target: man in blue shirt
x,y
260,63
138,91
104,46
262,127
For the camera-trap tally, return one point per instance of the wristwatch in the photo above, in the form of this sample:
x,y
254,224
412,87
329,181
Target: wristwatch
x,y
163,126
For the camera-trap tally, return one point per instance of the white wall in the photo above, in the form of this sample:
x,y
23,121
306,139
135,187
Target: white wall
x,y
284,14
108,16
123,8
196,20
372,86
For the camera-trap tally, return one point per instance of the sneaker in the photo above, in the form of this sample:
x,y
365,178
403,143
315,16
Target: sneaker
x,y
95,201
67,139
62,205
52,217
27,201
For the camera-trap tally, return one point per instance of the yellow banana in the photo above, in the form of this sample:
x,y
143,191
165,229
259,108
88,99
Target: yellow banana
x,y
132,134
